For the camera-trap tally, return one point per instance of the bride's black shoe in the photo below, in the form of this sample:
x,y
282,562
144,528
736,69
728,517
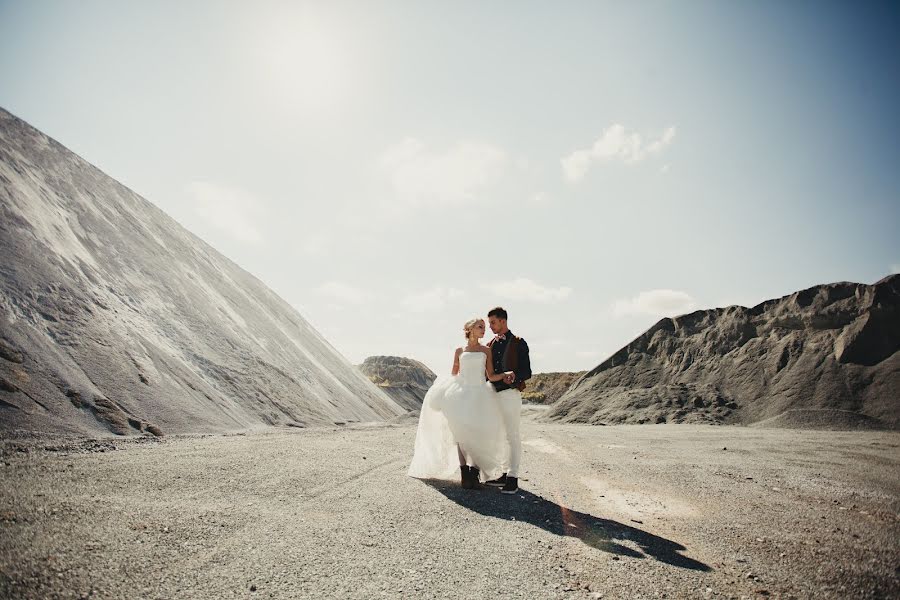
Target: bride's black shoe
x,y
474,475
465,477
499,482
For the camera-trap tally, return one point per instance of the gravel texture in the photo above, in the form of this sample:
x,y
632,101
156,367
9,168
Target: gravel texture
x,y
674,511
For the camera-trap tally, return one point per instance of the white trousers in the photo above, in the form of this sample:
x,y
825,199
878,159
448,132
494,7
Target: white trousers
x,y
510,402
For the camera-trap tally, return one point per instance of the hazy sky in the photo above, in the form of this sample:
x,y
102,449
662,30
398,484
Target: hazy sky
x,y
394,168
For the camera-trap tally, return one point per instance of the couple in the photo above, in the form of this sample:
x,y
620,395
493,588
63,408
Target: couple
x,y
473,423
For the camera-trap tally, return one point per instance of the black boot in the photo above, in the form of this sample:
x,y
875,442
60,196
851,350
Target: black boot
x,y
465,477
474,475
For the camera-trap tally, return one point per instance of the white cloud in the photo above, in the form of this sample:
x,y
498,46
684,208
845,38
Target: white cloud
x,y
527,290
576,165
227,209
662,303
344,293
430,300
657,146
421,176
616,143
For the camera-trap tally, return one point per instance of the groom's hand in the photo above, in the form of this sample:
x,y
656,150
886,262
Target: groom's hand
x,y
509,377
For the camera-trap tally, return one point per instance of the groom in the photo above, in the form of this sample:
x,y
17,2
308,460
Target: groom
x,y
509,353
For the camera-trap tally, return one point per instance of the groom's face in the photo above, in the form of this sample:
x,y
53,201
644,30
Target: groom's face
x,y
497,325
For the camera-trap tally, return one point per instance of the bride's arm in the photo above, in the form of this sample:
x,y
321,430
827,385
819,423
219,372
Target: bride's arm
x,y
455,369
489,367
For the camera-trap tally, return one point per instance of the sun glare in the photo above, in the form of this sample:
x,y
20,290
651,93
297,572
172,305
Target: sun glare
x,y
305,63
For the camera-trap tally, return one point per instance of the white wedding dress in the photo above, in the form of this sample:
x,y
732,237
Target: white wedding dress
x,y
460,409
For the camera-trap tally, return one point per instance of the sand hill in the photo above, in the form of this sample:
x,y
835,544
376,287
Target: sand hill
x,y
403,379
114,318
821,357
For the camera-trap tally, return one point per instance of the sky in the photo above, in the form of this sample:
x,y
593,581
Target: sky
x,y
393,169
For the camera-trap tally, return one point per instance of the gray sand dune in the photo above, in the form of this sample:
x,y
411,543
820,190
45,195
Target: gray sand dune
x,y
826,350
114,318
676,511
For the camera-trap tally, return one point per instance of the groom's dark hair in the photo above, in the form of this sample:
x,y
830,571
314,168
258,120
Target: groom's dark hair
x,y
498,312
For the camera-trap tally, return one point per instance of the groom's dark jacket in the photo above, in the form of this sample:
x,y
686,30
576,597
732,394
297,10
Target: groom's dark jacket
x,y
510,354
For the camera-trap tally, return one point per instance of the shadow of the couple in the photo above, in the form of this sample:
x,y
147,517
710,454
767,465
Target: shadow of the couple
x,y
599,533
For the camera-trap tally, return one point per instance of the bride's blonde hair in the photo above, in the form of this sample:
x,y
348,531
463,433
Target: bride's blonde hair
x,y
467,328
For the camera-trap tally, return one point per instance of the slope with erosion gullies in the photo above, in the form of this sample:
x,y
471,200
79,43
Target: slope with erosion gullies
x,y
820,357
117,319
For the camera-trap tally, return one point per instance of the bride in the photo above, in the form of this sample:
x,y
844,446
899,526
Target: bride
x,y
460,421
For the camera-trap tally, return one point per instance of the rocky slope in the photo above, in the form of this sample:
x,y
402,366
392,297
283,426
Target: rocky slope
x,y
403,379
821,357
547,388
114,318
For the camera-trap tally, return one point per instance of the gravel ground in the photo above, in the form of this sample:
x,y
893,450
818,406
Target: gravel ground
x,y
652,511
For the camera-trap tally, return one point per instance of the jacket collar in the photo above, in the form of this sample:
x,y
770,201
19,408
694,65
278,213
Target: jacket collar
x,y
508,335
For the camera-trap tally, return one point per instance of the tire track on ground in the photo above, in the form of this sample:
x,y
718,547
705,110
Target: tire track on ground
x,y
320,491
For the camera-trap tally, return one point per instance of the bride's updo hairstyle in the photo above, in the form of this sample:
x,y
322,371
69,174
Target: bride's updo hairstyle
x,y
467,328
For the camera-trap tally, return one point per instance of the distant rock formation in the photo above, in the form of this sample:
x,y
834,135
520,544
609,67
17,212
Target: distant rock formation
x,y
810,357
547,388
403,379
114,318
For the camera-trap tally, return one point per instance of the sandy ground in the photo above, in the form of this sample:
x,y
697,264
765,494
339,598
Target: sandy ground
x,y
672,511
